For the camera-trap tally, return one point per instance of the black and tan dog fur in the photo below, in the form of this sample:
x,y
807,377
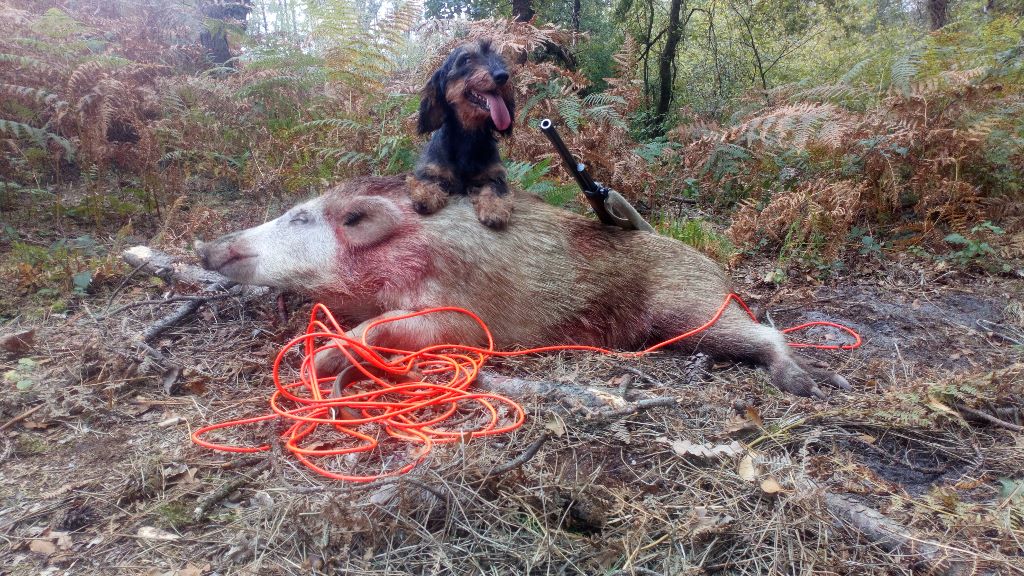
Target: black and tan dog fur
x,y
463,104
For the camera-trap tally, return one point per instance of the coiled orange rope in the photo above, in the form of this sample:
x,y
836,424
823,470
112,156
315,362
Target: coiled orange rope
x,y
415,413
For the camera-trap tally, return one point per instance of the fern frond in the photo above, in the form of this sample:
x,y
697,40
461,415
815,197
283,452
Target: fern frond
x,y
39,136
337,123
855,70
570,108
904,69
28,93
28,62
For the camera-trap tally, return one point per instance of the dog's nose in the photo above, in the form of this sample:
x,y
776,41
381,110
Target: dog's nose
x,y
500,77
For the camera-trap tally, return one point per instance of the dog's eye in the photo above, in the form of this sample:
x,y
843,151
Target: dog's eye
x,y
300,218
353,218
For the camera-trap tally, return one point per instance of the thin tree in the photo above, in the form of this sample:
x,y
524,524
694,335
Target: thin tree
x,y
666,68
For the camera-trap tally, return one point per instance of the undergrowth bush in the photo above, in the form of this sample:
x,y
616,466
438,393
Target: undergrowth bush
x,y
921,142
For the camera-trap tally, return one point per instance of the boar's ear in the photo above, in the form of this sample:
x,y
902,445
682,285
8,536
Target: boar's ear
x,y
366,221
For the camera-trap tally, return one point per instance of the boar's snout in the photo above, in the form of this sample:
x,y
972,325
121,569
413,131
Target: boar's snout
x,y
219,253
203,253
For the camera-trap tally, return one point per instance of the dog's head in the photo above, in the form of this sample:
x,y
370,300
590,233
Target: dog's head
x,y
472,87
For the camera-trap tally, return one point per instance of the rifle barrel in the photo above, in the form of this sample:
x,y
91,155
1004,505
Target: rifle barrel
x,y
596,195
577,169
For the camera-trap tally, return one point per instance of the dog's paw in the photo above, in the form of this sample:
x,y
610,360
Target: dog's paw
x,y
492,210
427,197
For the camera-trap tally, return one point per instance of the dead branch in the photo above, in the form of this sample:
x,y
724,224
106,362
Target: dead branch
x,y
162,265
564,398
933,557
991,419
184,311
634,407
228,489
522,458
21,417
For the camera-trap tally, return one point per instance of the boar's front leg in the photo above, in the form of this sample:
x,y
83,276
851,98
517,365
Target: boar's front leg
x,y
408,334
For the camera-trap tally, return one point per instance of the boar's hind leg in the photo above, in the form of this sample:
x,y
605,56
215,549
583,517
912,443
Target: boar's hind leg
x,y
739,338
408,334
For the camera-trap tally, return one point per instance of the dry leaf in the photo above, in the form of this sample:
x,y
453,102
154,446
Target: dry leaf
x,y
746,468
63,539
618,381
169,380
686,448
771,486
867,438
19,343
555,425
44,547
189,570
754,415
737,424
935,403
152,533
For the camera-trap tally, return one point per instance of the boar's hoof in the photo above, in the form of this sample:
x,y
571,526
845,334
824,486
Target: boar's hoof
x,y
427,197
492,210
787,375
329,362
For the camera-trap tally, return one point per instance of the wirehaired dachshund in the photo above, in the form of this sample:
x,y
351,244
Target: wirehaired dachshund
x,y
466,104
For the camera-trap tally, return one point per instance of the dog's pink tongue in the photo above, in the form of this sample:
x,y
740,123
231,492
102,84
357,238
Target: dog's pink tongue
x,y
499,113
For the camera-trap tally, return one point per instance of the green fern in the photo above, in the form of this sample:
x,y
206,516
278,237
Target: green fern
x,y
28,93
332,123
570,108
27,62
39,136
904,70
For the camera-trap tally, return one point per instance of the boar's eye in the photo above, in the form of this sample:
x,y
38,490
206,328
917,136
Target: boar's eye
x,y
301,217
463,60
353,218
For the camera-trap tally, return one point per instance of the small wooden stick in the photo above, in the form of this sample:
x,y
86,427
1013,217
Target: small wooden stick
x,y
990,418
228,489
21,417
522,458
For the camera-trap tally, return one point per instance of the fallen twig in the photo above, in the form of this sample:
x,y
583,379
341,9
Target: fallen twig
x,y
228,489
524,457
635,407
20,417
171,300
991,419
183,311
934,557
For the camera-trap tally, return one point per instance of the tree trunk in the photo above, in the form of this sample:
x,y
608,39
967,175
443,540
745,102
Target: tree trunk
x,y
938,13
665,61
522,10
214,36
576,16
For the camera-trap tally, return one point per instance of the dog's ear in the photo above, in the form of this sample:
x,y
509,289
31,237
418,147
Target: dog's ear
x,y
432,103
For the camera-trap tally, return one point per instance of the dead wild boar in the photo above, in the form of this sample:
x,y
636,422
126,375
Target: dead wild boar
x,y
552,277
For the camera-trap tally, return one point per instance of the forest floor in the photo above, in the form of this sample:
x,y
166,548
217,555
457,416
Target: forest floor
x,y
98,474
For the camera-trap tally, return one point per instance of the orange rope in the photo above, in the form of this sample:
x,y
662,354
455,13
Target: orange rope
x,y
414,413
